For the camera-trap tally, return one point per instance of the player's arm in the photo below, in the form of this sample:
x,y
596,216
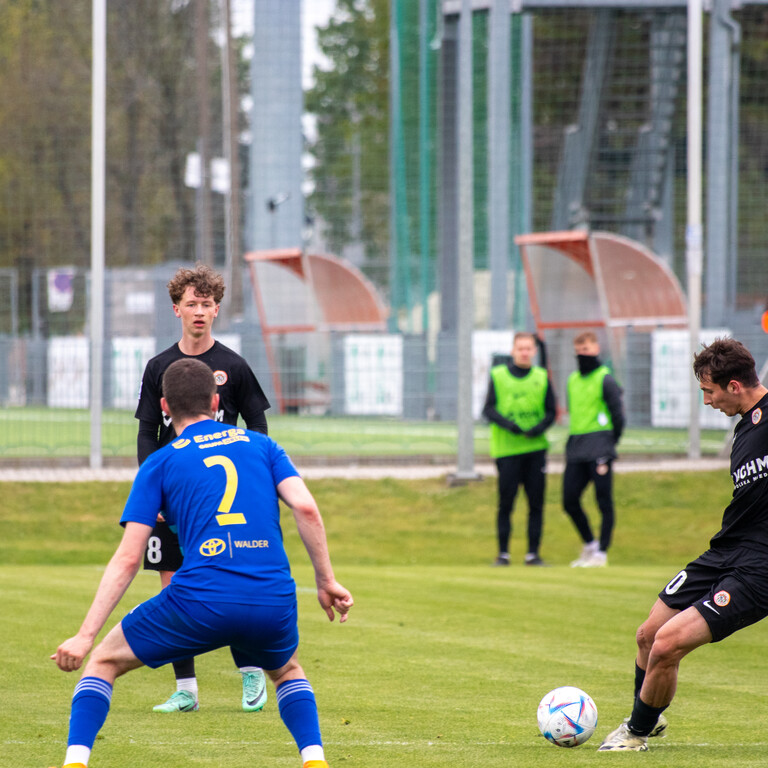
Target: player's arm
x,y
492,414
257,422
117,577
550,412
252,403
148,439
330,593
149,414
613,399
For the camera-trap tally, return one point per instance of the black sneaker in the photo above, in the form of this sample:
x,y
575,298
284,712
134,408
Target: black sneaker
x,y
533,560
502,559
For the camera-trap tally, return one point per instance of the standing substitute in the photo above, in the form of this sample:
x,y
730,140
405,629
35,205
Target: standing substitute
x,y
196,295
726,588
596,423
520,405
219,489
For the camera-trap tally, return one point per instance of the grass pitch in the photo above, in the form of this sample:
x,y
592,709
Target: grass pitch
x,y
444,659
62,432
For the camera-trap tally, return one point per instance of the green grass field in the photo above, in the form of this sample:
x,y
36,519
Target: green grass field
x,y
444,659
61,432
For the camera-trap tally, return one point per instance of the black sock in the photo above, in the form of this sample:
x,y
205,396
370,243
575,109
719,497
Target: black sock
x,y
643,718
184,668
639,677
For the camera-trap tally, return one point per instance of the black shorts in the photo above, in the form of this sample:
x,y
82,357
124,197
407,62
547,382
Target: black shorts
x,y
729,588
163,551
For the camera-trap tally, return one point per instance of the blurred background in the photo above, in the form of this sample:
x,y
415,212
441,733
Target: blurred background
x,y
328,157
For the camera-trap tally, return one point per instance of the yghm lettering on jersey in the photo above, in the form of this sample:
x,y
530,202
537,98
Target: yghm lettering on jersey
x,y
754,469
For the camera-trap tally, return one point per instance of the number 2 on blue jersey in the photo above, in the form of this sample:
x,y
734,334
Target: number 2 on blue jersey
x,y
230,489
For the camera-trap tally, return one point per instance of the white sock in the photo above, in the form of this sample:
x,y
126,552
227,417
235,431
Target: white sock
x,y
188,684
77,753
312,752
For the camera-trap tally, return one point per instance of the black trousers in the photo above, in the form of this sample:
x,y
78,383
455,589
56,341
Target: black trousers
x,y
530,470
577,475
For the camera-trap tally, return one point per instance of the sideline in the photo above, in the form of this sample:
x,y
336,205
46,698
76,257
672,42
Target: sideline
x,y
314,471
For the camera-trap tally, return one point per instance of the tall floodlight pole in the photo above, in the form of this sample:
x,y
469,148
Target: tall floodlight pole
x,y
98,142
693,232
204,252
466,308
499,131
230,110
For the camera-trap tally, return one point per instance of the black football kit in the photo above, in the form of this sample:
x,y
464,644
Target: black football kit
x,y
728,584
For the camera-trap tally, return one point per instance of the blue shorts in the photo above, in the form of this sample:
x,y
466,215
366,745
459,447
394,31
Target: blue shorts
x,y
165,629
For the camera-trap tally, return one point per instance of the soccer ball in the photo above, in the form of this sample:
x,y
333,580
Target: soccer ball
x,y
567,716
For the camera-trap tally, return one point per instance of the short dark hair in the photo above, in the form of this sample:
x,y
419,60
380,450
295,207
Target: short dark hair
x,y
188,386
726,360
202,278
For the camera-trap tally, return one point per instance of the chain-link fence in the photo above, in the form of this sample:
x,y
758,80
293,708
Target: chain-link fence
x,y
330,129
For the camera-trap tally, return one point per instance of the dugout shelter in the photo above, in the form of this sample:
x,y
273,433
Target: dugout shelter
x,y
301,298
581,280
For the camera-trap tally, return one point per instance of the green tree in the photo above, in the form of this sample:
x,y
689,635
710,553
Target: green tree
x,y
350,101
45,133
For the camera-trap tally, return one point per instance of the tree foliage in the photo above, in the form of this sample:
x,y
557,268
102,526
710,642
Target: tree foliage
x,y
350,102
45,132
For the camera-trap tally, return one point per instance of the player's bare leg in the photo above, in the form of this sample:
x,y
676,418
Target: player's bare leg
x,y
659,615
681,633
674,640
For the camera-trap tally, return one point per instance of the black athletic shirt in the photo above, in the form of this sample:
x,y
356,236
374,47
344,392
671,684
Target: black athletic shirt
x,y
745,520
239,391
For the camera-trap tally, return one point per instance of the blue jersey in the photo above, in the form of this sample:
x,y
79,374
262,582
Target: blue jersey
x,y
217,487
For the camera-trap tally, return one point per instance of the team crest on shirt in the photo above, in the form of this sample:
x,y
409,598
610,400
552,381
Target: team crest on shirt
x,y
722,598
757,414
220,377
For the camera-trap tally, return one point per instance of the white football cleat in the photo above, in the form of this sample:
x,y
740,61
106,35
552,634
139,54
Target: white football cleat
x,y
623,740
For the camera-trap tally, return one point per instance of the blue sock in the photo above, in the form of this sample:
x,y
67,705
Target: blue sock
x,y
296,702
90,705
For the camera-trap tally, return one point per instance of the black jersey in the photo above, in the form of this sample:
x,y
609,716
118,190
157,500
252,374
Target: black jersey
x,y
239,391
745,520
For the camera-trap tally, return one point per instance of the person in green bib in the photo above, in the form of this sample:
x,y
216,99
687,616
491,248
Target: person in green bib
x,y
596,422
520,405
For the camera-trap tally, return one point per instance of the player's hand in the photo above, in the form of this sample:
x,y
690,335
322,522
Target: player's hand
x,y
335,596
70,654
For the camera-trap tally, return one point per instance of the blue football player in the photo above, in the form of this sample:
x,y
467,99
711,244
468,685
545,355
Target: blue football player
x,y
218,486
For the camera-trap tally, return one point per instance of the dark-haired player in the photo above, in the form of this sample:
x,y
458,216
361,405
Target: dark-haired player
x,y
219,487
726,589
196,295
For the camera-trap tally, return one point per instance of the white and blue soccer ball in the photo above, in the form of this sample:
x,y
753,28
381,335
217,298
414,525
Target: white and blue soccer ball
x,y
567,716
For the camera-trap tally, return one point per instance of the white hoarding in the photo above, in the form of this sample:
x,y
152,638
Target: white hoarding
x,y
486,344
130,356
671,372
68,372
373,375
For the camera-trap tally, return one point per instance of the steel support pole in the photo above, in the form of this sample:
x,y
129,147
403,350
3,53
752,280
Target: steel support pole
x,y
694,253
98,153
466,309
